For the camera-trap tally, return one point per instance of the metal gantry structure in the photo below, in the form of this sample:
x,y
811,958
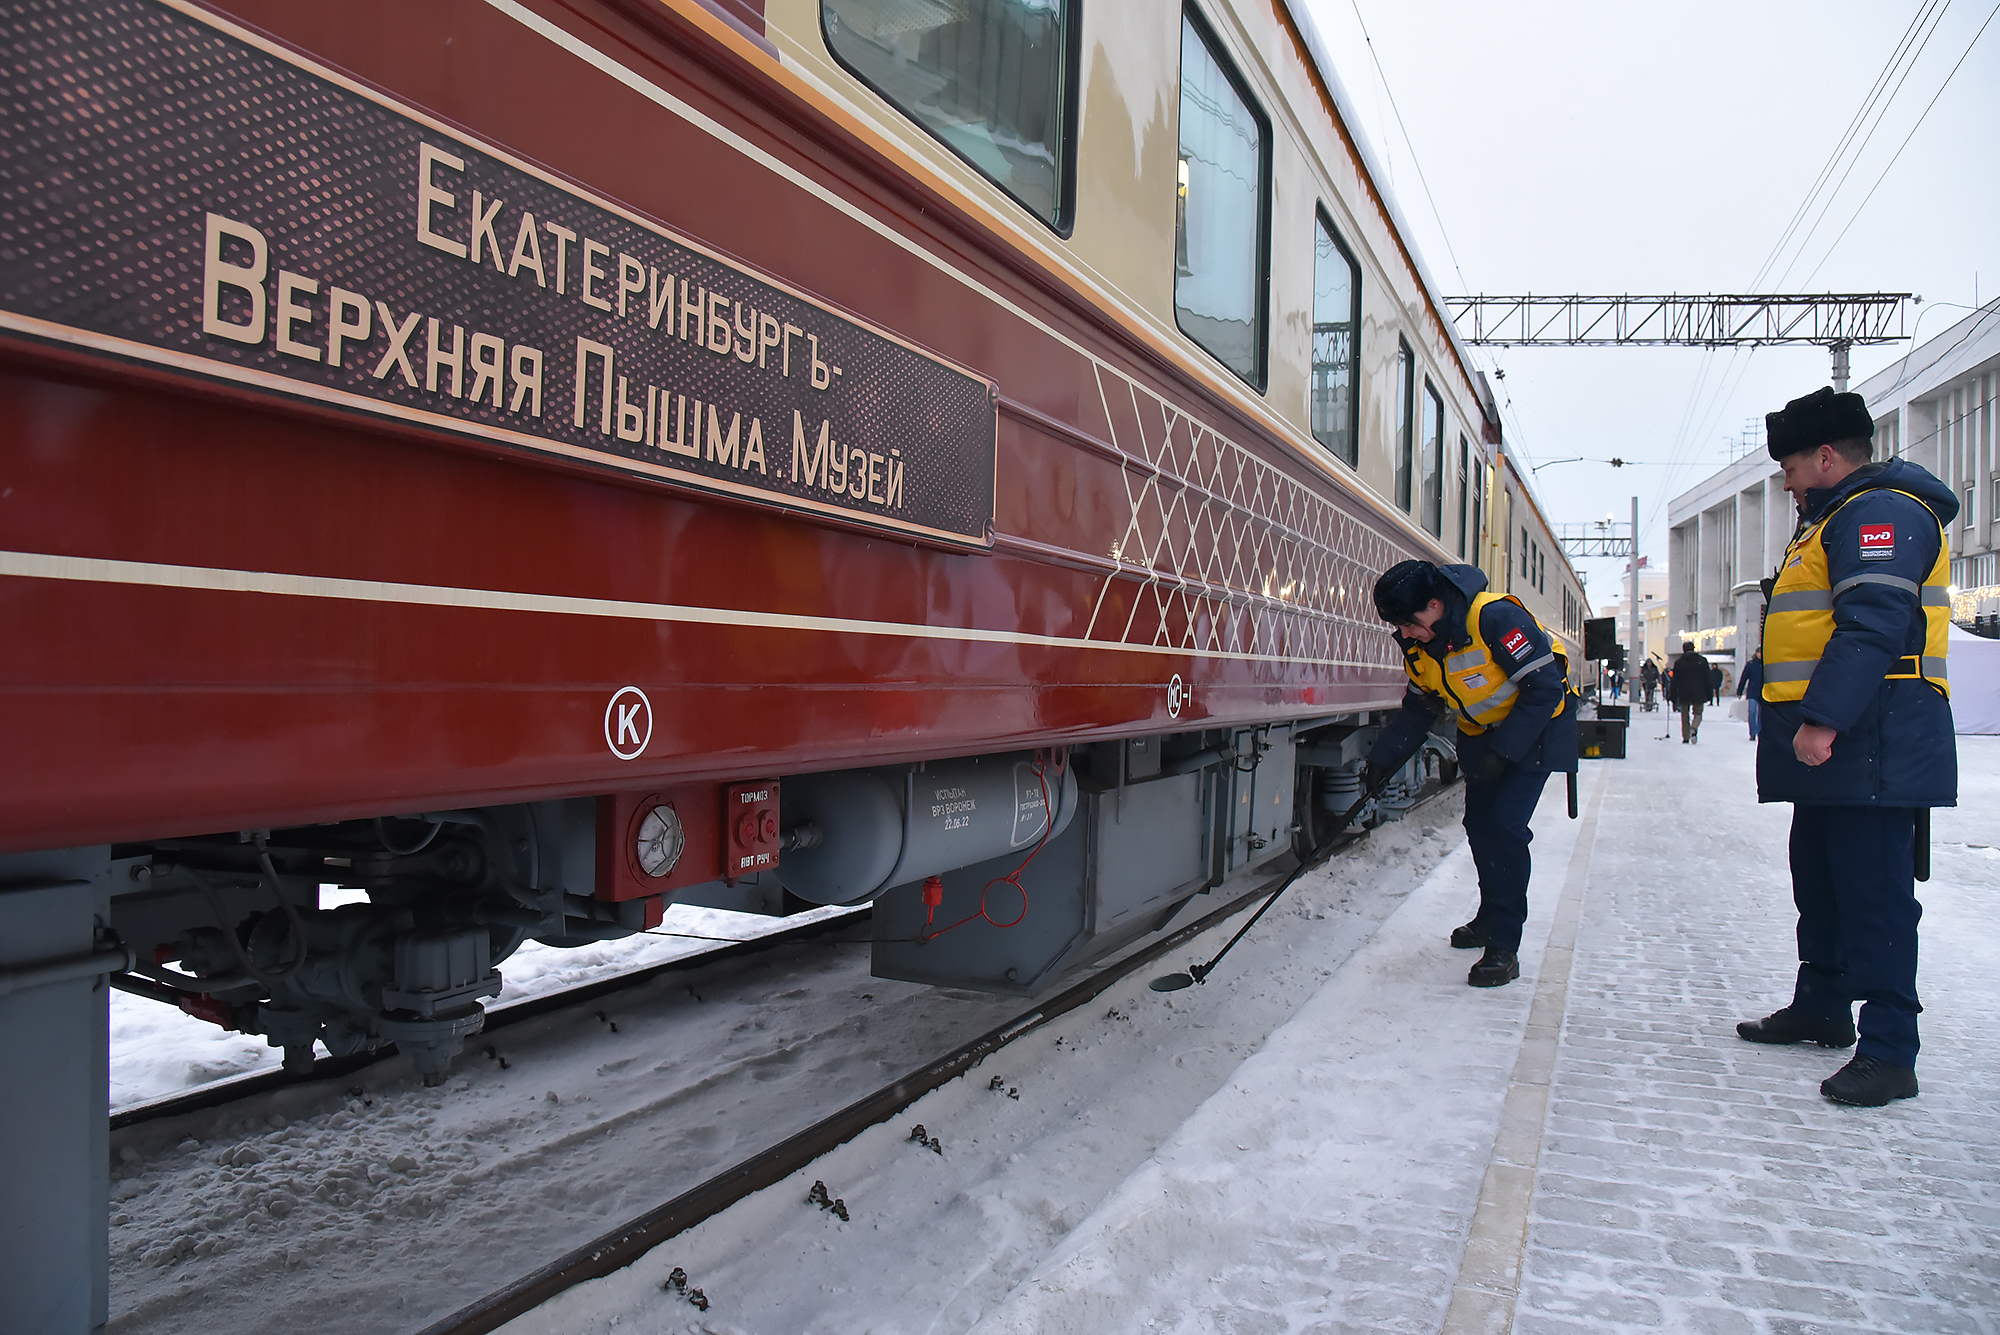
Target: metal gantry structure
x,y
1603,537
1833,320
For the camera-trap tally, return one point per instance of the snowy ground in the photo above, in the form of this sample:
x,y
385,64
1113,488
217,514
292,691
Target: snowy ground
x,y
1335,1134
383,1209
1617,1159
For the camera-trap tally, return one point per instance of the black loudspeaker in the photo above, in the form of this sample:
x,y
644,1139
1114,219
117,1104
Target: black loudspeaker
x,y
1599,634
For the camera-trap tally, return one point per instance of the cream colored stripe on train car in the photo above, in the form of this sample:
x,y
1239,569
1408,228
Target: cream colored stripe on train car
x,y
104,570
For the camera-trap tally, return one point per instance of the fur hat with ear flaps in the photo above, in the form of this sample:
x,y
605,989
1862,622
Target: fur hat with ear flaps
x,y
1820,418
1406,589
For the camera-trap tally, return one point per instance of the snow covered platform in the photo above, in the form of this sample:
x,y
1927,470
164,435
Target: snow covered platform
x,y
1336,1134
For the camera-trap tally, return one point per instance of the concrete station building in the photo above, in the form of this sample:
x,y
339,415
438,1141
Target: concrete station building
x,y
1933,406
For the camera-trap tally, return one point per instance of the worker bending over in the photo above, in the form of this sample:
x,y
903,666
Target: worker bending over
x,y
1485,657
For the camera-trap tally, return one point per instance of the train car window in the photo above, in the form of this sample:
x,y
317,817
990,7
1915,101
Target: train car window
x,y
1336,344
1221,232
993,80
1479,513
1433,461
1465,490
1406,420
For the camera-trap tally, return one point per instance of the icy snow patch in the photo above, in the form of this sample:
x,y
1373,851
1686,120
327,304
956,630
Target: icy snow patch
x,y
157,1050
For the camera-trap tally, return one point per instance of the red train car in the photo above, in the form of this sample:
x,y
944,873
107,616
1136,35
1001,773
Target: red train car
x,y
536,459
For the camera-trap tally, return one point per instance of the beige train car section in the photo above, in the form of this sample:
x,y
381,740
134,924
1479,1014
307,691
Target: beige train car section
x,y
1425,440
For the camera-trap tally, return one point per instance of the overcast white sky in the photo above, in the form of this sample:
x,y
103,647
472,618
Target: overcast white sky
x,y
1580,146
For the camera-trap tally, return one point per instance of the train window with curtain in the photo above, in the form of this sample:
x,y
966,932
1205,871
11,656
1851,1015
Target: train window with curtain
x,y
1406,420
1221,233
993,80
1433,461
1336,344
1478,513
1465,490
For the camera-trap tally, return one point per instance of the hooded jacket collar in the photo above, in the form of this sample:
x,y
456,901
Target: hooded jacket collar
x,y
1899,474
1461,583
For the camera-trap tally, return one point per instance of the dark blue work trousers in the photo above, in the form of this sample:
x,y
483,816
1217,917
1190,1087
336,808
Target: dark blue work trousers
x,y
1856,892
1497,812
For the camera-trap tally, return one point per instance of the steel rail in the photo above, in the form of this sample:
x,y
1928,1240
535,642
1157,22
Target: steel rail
x,y
221,1093
620,1247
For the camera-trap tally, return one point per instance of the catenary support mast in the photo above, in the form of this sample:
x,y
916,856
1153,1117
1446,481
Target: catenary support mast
x,y
1633,659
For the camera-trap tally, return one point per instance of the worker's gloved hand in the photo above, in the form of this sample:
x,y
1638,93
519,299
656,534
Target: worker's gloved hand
x,y
1484,765
1373,776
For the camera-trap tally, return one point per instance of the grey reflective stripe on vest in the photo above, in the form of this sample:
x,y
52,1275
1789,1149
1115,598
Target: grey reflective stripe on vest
x,y
1936,597
1801,600
1503,694
1467,658
1524,671
1909,586
1932,668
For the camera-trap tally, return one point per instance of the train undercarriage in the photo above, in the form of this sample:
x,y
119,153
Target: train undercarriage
x,y
998,873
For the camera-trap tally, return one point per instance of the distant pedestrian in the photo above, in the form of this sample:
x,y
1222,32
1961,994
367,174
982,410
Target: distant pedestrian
x,y
1715,683
1855,623
1689,689
1751,688
1649,681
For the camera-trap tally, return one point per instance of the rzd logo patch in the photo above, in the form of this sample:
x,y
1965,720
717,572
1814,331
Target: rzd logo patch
x,y
1515,642
1878,542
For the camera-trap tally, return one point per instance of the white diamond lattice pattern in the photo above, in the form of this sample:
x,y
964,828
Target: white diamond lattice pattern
x,y
1236,557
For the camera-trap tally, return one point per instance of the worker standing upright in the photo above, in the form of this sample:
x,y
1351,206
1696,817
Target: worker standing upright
x,y
1857,733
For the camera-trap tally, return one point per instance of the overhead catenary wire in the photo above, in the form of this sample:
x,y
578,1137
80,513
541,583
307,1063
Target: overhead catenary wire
x,y
1397,111
1706,401
1881,112
1833,158
1894,158
1904,376
1897,156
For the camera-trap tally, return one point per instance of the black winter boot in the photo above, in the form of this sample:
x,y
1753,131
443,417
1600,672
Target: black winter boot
x,y
1867,1082
1496,968
1469,937
1792,1026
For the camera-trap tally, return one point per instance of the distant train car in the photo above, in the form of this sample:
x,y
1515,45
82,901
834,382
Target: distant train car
x,y
540,459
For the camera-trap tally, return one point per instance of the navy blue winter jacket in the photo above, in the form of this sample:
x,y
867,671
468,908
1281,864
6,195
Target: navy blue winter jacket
x,y
1531,735
1895,746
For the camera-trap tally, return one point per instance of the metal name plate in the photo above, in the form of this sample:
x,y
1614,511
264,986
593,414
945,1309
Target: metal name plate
x,y
181,193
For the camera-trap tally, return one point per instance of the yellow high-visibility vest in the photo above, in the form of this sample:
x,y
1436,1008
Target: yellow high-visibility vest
x,y
1798,620
1471,681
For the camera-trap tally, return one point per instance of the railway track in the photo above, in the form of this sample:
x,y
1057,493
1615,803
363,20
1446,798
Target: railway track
x,y
619,1247
221,1093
